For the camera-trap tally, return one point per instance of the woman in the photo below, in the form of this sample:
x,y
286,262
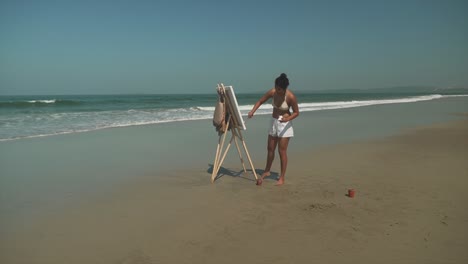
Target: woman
x,y
281,126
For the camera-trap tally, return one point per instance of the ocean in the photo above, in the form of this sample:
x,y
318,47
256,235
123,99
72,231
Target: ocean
x,y
48,115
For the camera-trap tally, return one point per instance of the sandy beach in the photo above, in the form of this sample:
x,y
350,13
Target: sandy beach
x,y
409,207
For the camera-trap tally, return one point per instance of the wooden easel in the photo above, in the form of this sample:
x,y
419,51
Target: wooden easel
x,y
233,126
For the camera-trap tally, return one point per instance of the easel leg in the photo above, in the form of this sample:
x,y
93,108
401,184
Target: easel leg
x,y
225,153
221,154
217,163
240,154
248,155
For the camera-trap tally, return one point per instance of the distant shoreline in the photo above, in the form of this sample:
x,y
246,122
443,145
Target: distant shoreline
x,y
399,89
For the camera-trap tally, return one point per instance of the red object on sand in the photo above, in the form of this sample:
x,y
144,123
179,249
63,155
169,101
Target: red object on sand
x,y
351,193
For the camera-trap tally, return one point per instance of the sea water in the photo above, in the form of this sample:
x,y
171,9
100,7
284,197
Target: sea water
x,y
39,116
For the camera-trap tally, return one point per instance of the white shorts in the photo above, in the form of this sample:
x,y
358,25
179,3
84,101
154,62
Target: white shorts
x,y
281,129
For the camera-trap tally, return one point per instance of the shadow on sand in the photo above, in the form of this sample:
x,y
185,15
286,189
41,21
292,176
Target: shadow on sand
x,y
240,174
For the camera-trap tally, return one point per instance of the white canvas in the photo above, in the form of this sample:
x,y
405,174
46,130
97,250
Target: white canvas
x,y
231,97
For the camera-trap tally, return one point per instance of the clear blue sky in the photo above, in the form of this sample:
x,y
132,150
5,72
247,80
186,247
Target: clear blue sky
x,y
103,47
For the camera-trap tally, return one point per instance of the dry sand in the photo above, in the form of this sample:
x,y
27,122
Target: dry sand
x,y
410,207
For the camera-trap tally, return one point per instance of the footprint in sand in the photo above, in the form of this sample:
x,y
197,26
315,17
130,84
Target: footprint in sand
x,y
320,206
137,257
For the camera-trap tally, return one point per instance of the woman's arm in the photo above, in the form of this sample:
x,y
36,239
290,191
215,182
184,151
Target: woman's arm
x,y
262,100
295,108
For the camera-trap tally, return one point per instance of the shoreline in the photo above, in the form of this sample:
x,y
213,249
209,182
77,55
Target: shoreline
x,y
409,208
160,122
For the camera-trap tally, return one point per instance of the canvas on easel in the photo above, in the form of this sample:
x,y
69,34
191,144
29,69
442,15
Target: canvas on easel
x,y
234,123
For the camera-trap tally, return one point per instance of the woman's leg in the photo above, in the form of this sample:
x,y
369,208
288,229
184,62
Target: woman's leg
x,y
271,147
282,150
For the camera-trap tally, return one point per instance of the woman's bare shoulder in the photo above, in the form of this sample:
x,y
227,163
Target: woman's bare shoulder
x,y
290,95
271,91
267,95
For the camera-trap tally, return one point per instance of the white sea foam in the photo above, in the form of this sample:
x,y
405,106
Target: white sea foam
x,y
42,101
304,107
351,104
75,122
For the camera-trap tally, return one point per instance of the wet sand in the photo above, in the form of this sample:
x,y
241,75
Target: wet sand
x,y
409,207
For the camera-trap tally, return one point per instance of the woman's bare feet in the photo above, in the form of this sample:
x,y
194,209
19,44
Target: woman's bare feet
x,y
280,181
265,174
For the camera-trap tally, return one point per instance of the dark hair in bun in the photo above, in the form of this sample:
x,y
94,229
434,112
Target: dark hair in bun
x,y
282,81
